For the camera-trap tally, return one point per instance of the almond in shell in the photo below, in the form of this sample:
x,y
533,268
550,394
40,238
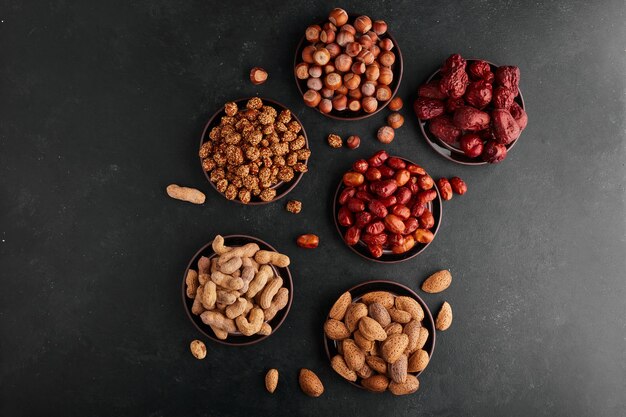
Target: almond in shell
x,y
444,317
377,363
382,297
418,361
399,316
371,329
398,370
393,328
336,330
365,344
353,314
365,372
412,330
338,310
339,365
379,313
394,347
353,355
411,306
376,383
437,282
310,384
408,387
271,380
423,337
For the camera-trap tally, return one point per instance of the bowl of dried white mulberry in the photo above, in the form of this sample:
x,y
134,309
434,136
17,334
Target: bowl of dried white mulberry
x,y
254,151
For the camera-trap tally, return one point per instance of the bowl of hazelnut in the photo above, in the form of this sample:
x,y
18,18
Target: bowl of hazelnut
x,y
387,208
348,67
471,111
254,151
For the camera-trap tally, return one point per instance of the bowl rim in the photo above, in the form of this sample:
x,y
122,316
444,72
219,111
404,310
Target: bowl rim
x,y
207,332
399,73
438,144
209,124
432,333
378,260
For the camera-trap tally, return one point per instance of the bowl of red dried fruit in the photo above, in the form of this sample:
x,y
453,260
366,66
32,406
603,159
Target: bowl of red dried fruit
x,y
387,208
348,67
254,151
471,111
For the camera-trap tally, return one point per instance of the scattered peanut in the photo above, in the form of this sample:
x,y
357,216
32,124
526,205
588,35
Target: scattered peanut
x,y
190,195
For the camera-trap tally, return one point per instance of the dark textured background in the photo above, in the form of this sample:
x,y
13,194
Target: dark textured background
x,y
101,107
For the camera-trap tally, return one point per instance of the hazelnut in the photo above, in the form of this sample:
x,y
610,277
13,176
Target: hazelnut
x,y
340,102
258,75
312,33
302,71
349,28
332,81
366,41
358,68
354,105
385,134
338,17
343,38
387,58
369,104
342,90
334,49
353,49
352,81
329,26
343,62
315,71
362,24
356,93
327,93
386,44
366,57
368,88
383,93
335,141
379,27
328,68
307,54
312,98
386,76
353,142
314,84
373,36
395,120
321,56
327,36
325,106
375,50
395,104
372,73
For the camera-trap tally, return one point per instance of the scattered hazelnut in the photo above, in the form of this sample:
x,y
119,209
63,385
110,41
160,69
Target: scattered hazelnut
x,y
258,75
349,28
387,58
314,84
366,41
356,93
385,134
395,104
352,81
368,88
358,68
353,142
353,49
395,120
343,38
294,206
362,24
334,49
372,73
335,141
338,17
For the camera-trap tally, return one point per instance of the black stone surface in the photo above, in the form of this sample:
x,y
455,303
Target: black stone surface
x,y
102,104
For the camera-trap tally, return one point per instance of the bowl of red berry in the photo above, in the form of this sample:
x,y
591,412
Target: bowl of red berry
x,y
471,111
387,208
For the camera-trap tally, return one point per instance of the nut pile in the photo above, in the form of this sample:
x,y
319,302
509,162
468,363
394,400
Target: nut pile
x,y
472,108
347,67
252,150
237,290
384,204
380,340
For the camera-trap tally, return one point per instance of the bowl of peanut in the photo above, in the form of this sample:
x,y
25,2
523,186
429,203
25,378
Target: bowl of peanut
x,y
348,67
380,336
237,290
254,151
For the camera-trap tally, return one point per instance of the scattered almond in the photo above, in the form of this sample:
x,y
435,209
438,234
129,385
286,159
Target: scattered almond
x,y
444,317
271,380
310,384
437,282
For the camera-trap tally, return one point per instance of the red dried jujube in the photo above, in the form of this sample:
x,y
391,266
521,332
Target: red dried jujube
x,y
428,108
479,94
443,128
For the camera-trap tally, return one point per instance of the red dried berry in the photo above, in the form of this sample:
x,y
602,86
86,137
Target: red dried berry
x,y
453,63
494,152
458,185
431,90
454,103
519,114
469,118
454,83
443,128
445,189
479,70
428,108
479,94
471,145
505,128
508,76
503,98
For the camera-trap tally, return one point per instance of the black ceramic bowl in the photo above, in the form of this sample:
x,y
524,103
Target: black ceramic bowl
x,y
397,68
452,152
388,257
236,339
398,290
282,188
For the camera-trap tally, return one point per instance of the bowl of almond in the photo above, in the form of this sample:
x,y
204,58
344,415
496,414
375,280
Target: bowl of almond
x,y
380,336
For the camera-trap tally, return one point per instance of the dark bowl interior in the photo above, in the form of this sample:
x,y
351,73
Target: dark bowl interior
x,y
399,290
282,188
451,152
236,339
435,206
397,68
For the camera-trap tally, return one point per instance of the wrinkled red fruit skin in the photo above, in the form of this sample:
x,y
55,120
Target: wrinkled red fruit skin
x,y
505,128
469,118
508,76
428,108
454,103
454,83
493,152
479,94
479,70
453,62
443,128
431,90
503,98
519,114
472,145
